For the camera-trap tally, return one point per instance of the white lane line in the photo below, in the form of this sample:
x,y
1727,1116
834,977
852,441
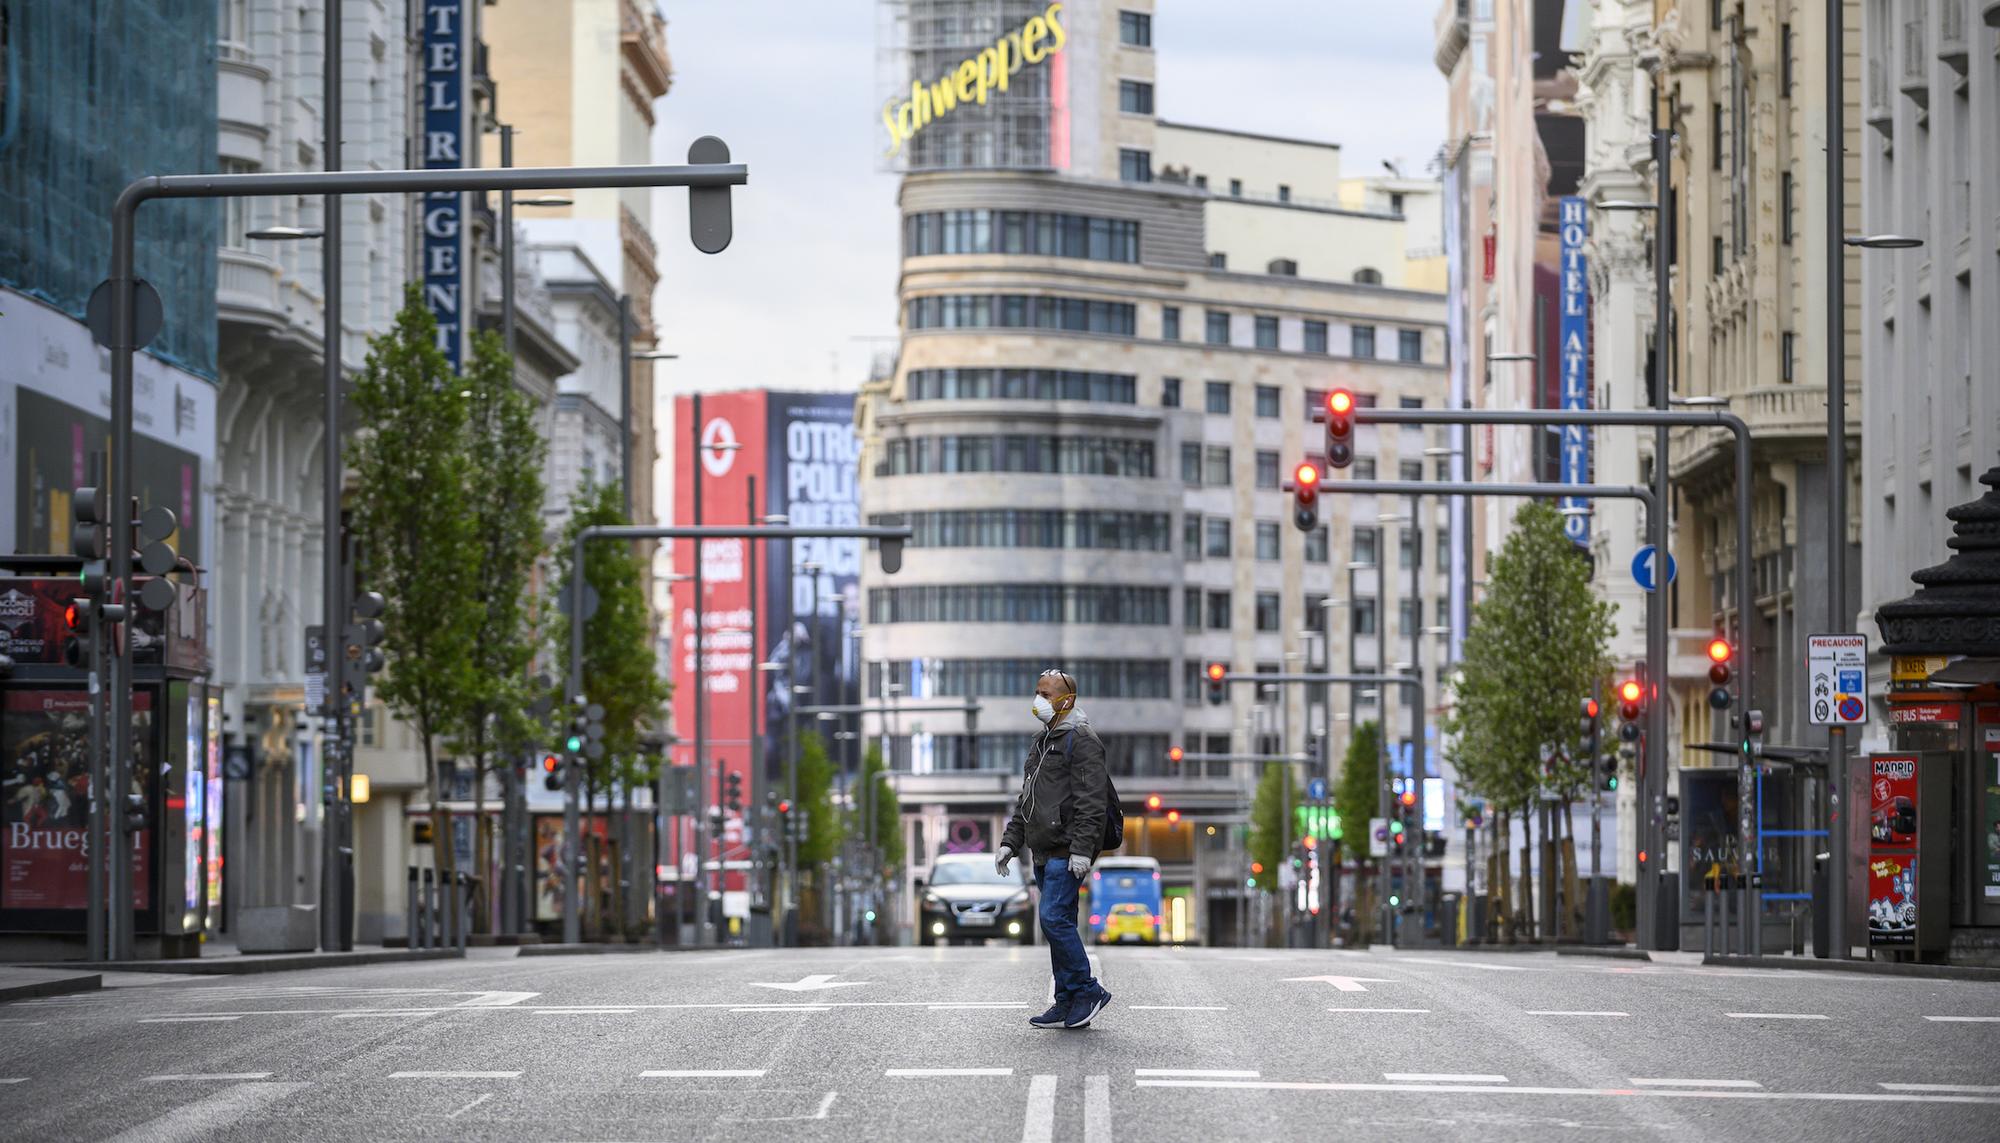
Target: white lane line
x,y
692,1073
187,1019
1597,1092
1550,1012
1039,1125
454,1075
386,1012
907,1073
825,1105
983,1006
468,1107
1460,964
783,1008
1407,1011
1210,1073
586,1012
222,1076
210,1116
1097,1109
1660,1081
14,1079
1964,1019
1176,1008
1773,1016
497,999
1441,1077
1970,1089
26,1023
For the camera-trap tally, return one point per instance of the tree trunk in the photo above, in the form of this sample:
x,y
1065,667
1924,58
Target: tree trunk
x,y
482,846
1527,882
1498,878
444,853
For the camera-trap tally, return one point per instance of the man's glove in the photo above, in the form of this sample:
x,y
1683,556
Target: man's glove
x,y
1078,865
1003,860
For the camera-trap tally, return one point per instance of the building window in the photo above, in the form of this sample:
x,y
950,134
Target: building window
x,y
1021,311
1267,469
1715,254
1039,232
1267,400
1409,613
1364,468
1284,193
1191,464
1170,392
1020,384
1236,188
1191,609
1218,611
1267,332
1406,546
1072,456
1216,461
1135,166
1267,539
1396,202
1315,337
1315,398
1785,206
236,211
1040,603
1282,267
1367,276
1217,530
1191,536
1316,545
1410,470
1715,138
1409,345
1135,29
1267,609
1134,97
1218,260
1441,468
1192,681
1315,617
1364,545
1785,60
1218,327
1443,541
1218,397
1201,182
1786,355
1170,323
1037,528
1105,678
1364,341
1364,616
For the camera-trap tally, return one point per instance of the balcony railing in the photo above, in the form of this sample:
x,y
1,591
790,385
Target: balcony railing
x,y
1915,79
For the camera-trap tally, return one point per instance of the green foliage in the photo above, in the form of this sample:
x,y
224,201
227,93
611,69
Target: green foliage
x,y
1270,812
1538,645
1357,790
1624,907
620,672
414,527
821,839
886,833
504,498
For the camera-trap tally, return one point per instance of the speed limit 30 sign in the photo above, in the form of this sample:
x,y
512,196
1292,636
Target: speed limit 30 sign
x,y
1836,679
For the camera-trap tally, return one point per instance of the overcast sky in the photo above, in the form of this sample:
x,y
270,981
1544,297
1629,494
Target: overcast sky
x,y
806,293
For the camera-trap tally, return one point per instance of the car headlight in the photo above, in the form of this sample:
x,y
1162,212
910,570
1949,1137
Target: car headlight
x,y
933,901
1017,901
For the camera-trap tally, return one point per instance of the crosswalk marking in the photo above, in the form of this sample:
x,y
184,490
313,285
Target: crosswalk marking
x,y
1973,1089
907,1073
454,1075
747,1073
215,1076
1773,1016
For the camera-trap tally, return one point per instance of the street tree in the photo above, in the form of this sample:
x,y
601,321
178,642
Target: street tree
x,y
416,535
503,495
820,836
884,832
1357,797
1539,642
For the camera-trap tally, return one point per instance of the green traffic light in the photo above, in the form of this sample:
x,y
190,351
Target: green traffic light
x,y
1394,900
1249,882
1611,783
575,743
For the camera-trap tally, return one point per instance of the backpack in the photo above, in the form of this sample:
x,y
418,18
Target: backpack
x,y
1114,817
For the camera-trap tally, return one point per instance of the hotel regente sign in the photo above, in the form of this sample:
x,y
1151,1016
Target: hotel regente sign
x,y
970,82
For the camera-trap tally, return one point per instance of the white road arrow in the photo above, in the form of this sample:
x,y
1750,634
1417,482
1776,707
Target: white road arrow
x,y
818,982
497,999
1343,983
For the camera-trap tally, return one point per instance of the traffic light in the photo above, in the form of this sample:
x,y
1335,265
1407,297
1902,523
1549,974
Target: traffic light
x,y
157,558
1339,428
1173,817
1175,754
135,813
1407,799
1719,655
364,631
1217,672
1397,833
1631,705
1753,733
586,732
76,621
1305,497
1153,803
552,779
733,797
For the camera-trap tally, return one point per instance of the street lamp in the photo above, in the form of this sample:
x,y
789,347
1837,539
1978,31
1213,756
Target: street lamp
x,y
1512,357
285,233
1881,241
1625,205
1699,402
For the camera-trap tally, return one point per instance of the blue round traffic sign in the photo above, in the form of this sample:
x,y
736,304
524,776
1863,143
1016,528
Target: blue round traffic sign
x,y
1642,567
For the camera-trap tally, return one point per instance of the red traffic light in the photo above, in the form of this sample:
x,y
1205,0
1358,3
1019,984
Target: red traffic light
x,y
1175,753
1217,672
1719,650
1409,797
1173,817
1152,801
550,763
73,615
1340,402
784,806
1256,867
1307,476
1631,691
1590,708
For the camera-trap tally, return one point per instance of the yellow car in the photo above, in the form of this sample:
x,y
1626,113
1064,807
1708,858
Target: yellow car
x,y
1129,921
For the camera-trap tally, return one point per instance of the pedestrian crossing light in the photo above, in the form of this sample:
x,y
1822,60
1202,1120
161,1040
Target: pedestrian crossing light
x,y
1217,672
1339,428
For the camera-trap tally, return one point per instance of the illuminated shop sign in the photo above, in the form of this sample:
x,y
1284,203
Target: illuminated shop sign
x,y
970,82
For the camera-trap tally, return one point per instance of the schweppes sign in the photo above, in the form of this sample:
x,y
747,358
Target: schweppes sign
x,y
974,78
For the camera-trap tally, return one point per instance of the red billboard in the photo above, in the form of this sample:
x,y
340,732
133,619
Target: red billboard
x,y
45,782
1892,849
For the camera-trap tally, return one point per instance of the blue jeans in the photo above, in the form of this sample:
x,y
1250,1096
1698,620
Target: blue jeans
x,y
1067,960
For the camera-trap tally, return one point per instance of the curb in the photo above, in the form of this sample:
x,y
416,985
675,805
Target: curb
x,y
249,963
1862,967
55,986
597,950
1612,952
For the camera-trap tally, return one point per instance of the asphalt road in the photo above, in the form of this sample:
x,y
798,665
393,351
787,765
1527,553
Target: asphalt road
x,y
893,1044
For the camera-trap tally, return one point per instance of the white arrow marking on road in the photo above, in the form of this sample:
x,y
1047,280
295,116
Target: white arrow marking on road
x,y
1343,983
818,982
497,999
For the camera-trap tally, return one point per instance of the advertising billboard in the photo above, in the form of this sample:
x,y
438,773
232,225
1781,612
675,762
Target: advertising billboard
x,y
983,85
1892,849
44,810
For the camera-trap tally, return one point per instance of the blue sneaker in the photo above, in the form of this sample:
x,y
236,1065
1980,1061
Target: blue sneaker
x,y
1084,1009
1054,1017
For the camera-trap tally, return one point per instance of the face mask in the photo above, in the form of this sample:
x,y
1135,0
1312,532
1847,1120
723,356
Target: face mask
x,y
1043,709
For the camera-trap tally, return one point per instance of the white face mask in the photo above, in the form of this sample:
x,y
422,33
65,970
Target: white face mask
x,y
1043,708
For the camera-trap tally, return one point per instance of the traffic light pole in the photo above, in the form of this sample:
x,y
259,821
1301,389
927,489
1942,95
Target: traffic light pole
x,y
708,177
892,542
1653,764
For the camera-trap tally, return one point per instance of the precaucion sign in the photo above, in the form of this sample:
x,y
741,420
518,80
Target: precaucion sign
x,y
1837,679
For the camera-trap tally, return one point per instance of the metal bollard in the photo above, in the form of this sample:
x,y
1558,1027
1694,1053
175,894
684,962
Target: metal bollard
x,y
461,913
410,911
1707,922
430,907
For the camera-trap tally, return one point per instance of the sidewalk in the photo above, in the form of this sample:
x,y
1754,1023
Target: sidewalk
x,y
22,983
1868,967
222,958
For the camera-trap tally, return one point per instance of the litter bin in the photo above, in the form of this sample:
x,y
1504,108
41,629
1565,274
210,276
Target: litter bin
x,y
1450,933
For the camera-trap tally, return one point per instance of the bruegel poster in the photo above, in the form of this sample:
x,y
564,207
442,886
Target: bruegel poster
x,y
44,807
